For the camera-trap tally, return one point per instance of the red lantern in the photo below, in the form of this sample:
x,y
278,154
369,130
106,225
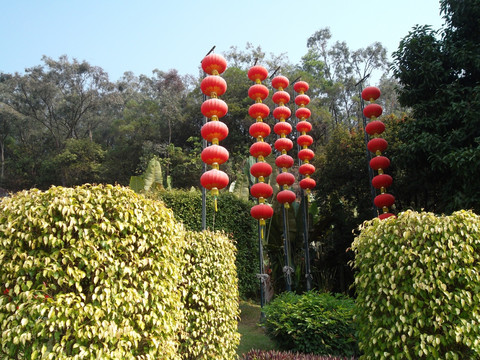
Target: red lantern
x,y
382,180
286,197
303,113
304,127
260,149
214,131
259,129
213,86
300,87
214,107
258,110
370,93
261,169
283,144
305,140
214,154
281,112
281,97
379,162
375,127
261,212
285,178
284,161
307,183
306,154
385,216
214,179
261,190
257,73
306,169
302,100
280,82
384,200
258,92
282,128
372,110
214,64
377,144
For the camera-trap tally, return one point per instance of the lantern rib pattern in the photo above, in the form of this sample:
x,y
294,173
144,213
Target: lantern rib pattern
x,y
377,145
214,131
260,149
304,140
282,128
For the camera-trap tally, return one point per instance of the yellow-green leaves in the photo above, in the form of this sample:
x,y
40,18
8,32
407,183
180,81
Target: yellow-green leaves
x,y
418,286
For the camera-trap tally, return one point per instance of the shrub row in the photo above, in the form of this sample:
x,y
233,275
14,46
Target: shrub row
x,y
277,355
418,285
101,272
312,323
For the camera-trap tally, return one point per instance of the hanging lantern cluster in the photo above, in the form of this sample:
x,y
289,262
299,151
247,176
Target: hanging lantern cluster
x,y
282,128
377,145
304,141
214,131
260,149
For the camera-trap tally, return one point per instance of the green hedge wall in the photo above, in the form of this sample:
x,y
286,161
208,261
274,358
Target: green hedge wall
x,y
233,217
101,272
418,286
210,297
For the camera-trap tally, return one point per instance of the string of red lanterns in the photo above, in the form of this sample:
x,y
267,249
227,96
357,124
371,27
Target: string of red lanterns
x,y
304,140
377,145
282,128
214,131
260,149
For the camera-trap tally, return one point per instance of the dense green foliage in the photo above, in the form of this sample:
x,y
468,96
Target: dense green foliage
x,y
439,74
210,298
233,218
90,272
418,285
101,272
317,323
277,355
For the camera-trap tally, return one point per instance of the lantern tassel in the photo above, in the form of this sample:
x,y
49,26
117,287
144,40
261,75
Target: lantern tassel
x,y
215,202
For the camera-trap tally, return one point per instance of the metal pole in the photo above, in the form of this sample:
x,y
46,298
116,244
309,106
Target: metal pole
x,y
204,191
262,273
308,274
368,155
287,268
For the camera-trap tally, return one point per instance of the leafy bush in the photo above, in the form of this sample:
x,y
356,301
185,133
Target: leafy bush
x,y
210,298
101,272
233,217
277,355
316,323
90,272
418,287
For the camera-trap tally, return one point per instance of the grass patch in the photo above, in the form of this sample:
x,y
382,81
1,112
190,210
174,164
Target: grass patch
x,y
253,335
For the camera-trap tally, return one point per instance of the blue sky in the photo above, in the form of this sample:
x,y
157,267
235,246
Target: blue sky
x,y
144,35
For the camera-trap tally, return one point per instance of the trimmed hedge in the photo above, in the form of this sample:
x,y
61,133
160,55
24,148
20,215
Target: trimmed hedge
x,y
277,355
418,286
233,217
101,272
312,323
210,297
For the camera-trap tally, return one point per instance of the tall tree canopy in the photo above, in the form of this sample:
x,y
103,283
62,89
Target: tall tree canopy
x,y
440,76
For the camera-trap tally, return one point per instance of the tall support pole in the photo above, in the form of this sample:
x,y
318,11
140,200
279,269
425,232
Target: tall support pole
x,y
368,155
204,191
262,276
308,274
287,269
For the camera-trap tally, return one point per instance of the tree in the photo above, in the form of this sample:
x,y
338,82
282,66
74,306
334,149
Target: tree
x,y
439,74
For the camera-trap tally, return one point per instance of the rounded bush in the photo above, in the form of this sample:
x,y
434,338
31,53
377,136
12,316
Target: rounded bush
x,y
312,323
89,272
417,282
